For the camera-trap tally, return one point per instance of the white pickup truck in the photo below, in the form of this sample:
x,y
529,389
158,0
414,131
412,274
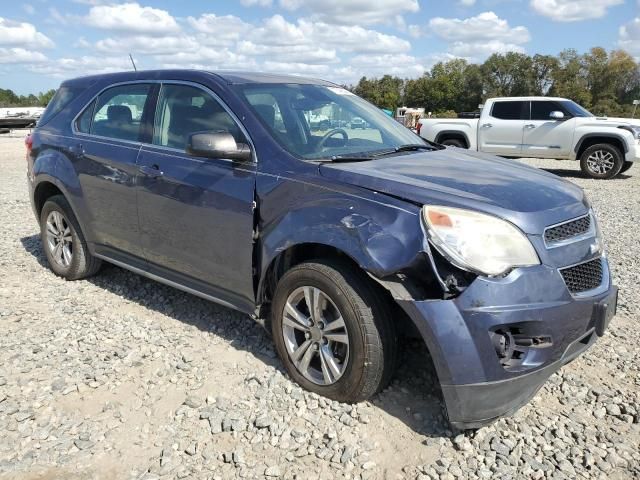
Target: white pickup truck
x,y
542,127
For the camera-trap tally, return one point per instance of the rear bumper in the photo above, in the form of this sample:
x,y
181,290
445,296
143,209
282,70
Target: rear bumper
x,y
534,303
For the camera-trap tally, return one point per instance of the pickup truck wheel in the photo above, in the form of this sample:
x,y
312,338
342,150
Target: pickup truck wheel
x,y
333,331
626,166
454,142
602,161
63,242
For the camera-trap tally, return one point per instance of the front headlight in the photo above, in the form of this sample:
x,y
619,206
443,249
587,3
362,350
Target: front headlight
x,y
634,129
477,242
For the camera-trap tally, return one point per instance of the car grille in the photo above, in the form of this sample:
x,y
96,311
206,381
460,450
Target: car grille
x,y
568,230
584,277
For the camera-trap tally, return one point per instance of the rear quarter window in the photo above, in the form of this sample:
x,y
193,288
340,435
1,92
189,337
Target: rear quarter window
x,y
61,99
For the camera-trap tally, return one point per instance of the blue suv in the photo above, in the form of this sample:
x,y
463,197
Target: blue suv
x,y
339,239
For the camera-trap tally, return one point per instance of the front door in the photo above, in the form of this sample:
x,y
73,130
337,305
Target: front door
x,y
545,137
501,131
196,214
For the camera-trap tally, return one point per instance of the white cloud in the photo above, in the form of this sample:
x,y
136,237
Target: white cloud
x,y
20,55
484,49
22,34
573,10
276,31
219,29
206,58
477,37
69,67
289,53
142,44
467,3
27,7
387,64
629,37
361,12
132,18
485,26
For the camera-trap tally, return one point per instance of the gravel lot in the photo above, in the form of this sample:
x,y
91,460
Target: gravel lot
x,y
121,377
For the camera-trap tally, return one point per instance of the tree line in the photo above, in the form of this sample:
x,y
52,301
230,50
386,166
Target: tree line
x,y
9,99
606,83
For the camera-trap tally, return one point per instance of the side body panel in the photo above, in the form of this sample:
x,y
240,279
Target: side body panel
x,y
548,138
497,136
196,220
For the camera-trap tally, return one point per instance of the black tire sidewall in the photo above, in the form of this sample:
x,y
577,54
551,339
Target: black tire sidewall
x,y
346,389
60,205
618,161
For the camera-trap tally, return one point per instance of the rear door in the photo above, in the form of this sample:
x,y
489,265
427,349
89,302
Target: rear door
x,y
109,133
501,131
544,137
196,214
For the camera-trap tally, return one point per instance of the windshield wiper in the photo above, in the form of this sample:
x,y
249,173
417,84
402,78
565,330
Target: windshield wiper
x,y
348,158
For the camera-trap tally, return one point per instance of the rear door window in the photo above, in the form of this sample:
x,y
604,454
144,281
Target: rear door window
x,y
512,110
119,112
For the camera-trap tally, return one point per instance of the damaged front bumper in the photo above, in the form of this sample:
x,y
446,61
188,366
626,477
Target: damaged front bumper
x,y
498,342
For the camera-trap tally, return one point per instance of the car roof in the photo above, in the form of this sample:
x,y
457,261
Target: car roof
x,y
528,99
229,77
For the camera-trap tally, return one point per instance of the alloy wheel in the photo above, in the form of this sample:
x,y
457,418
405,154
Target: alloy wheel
x,y
59,239
601,162
315,335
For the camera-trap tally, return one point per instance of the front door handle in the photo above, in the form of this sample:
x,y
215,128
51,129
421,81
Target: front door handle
x,y
530,125
151,171
487,125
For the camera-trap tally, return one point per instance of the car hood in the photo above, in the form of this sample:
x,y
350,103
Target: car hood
x,y
526,196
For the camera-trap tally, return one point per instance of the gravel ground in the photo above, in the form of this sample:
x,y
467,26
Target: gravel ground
x,y
121,377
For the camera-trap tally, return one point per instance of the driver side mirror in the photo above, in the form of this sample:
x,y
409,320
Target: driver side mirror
x,y
556,115
217,145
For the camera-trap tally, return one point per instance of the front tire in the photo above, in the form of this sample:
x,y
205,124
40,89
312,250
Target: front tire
x,y
332,331
63,241
602,161
626,166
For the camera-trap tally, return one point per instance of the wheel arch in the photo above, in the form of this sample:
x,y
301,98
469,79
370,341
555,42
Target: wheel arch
x,y
590,139
453,135
304,252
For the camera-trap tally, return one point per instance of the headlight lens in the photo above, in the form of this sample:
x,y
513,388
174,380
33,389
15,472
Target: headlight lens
x,y
481,243
634,129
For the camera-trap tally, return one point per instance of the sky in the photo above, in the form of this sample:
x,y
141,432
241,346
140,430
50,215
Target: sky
x,y
43,42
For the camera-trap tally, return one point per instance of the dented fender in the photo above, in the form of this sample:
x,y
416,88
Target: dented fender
x,y
382,234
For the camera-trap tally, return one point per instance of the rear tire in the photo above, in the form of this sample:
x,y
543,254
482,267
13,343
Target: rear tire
x,y
63,242
362,360
602,161
454,142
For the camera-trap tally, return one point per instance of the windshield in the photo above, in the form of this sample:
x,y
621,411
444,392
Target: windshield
x,y
317,122
576,110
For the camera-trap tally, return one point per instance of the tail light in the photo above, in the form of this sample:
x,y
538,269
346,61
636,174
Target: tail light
x,y
28,142
418,127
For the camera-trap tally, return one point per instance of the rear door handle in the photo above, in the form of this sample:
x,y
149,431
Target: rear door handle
x,y
151,171
530,125
487,125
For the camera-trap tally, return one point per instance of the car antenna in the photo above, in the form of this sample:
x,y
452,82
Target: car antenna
x,y
133,63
